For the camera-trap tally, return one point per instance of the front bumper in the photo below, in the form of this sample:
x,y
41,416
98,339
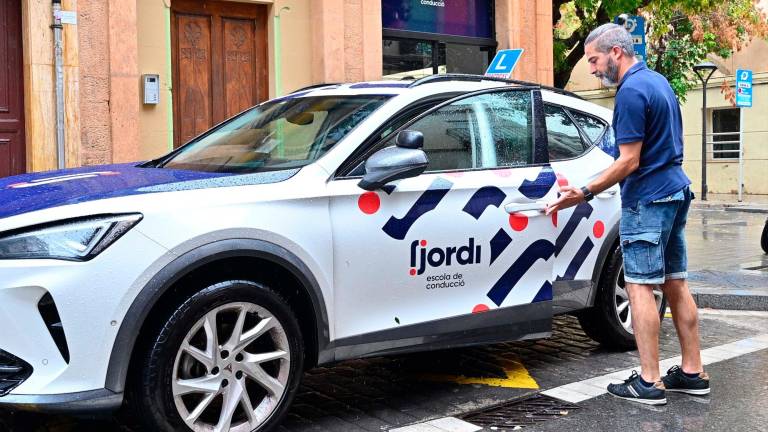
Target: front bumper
x,y
91,300
81,402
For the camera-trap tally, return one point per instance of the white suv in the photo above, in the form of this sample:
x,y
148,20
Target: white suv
x,y
337,222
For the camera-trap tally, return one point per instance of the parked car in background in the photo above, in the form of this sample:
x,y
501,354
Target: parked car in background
x,y
337,222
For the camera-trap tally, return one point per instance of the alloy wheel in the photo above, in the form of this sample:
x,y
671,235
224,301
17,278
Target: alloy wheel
x,y
621,301
232,369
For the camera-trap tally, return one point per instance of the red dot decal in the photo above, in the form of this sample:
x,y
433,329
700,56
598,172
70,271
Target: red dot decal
x,y
518,221
455,174
369,202
599,229
423,243
413,272
554,218
503,172
561,180
480,308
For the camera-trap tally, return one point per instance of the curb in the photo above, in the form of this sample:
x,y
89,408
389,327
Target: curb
x,y
731,207
731,301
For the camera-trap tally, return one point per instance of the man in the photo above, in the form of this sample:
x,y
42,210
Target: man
x,y
655,198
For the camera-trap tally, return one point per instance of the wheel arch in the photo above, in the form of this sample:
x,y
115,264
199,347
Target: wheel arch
x,y
139,316
609,245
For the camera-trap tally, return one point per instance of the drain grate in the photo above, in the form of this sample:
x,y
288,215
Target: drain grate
x,y
525,412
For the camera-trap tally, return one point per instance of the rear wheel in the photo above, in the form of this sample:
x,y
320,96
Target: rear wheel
x,y
764,238
229,358
610,320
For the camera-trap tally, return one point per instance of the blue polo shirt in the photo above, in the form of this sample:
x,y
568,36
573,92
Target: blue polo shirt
x,y
647,110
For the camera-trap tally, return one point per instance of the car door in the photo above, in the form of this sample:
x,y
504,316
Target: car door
x,y
467,236
581,230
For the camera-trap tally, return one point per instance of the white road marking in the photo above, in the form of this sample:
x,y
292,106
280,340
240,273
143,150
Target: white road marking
x,y
587,389
445,424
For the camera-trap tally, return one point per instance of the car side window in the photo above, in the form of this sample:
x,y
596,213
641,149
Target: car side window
x,y
564,139
591,126
484,131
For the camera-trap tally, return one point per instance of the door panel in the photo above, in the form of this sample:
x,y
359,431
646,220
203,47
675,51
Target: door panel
x,y
219,61
449,243
12,151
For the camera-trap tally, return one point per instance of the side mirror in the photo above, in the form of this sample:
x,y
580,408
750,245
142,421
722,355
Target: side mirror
x,y
410,139
393,163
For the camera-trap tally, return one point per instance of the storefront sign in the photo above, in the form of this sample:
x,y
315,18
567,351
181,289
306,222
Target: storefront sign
x,y
470,18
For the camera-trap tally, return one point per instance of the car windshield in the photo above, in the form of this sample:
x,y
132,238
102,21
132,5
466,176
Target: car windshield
x,y
281,134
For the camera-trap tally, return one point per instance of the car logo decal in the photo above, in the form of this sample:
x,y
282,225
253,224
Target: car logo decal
x,y
539,249
499,242
482,199
582,211
428,201
577,261
536,189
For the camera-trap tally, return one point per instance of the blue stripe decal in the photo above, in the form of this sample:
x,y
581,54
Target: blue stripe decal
x,y
578,260
388,189
482,199
538,188
544,294
540,249
582,211
428,201
499,243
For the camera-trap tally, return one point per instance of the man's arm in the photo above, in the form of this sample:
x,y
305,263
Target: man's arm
x,y
626,164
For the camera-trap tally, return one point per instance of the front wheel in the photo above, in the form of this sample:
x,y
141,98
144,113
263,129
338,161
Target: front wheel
x,y
229,358
764,238
610,320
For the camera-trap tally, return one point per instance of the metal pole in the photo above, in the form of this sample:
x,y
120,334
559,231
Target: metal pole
x,y
704,144
58,49
741,152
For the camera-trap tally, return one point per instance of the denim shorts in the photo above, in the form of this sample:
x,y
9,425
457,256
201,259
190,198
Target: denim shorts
x,y
653,239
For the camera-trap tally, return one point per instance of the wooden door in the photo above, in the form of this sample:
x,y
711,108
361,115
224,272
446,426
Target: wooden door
x,y
12,151
219,62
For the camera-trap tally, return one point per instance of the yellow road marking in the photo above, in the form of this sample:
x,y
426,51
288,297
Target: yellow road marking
x,y
517,377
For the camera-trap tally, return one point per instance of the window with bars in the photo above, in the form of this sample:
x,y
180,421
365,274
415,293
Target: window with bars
x,y
726,126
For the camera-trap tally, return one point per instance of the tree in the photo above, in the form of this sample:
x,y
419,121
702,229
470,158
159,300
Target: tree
x,y
679,33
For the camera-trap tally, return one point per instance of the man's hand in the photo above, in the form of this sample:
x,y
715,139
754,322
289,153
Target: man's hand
x,y
569,197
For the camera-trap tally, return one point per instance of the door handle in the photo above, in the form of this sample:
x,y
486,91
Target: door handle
x,y
606,194
532,209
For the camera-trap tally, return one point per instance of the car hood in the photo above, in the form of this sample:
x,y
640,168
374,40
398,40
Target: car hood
x,y
38,191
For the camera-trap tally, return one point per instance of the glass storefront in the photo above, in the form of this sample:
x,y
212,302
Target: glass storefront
x,y
426,37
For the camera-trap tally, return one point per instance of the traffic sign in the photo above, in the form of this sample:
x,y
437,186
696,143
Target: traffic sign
x,y
504,63
635,25
744,88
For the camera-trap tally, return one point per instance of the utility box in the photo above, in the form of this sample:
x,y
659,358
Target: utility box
x,y
151,84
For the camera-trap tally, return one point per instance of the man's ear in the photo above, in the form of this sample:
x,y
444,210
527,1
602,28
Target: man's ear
x,y
617,52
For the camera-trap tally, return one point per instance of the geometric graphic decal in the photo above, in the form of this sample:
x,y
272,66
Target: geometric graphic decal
x,y
545,293
499,242
578,260
482,198
538,188
582,211
428,201
540,249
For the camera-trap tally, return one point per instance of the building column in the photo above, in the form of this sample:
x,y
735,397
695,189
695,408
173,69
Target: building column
x,y
527,24
124,83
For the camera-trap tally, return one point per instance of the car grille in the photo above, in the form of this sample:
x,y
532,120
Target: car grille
x,y
13,372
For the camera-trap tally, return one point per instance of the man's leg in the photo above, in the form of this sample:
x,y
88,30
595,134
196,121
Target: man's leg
x,y
686,319
645,324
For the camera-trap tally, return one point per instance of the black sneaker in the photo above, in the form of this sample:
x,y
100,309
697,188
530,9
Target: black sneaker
x,y
677,381
634,390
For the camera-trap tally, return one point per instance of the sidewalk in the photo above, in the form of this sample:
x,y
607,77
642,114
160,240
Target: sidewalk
x,y
729,202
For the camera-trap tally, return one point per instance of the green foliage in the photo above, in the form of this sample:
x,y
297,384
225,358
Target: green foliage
x,y
679,33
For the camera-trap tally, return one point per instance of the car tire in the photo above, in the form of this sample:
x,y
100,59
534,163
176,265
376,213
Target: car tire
x,y
195,348
606,322
764,238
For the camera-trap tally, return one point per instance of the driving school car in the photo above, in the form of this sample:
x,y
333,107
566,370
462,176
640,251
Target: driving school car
x,y
337,222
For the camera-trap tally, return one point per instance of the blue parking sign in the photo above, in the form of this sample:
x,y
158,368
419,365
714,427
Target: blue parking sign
x,y
504,63
744,88
635,25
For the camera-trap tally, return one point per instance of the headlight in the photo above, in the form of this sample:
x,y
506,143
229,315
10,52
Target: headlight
x,y
76,239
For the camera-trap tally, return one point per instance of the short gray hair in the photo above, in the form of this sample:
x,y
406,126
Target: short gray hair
x,y
610,35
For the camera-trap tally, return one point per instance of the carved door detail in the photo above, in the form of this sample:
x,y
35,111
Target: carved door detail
x,y
12,151
219,62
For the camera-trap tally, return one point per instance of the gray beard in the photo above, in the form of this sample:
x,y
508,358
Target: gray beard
x,y
611,76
